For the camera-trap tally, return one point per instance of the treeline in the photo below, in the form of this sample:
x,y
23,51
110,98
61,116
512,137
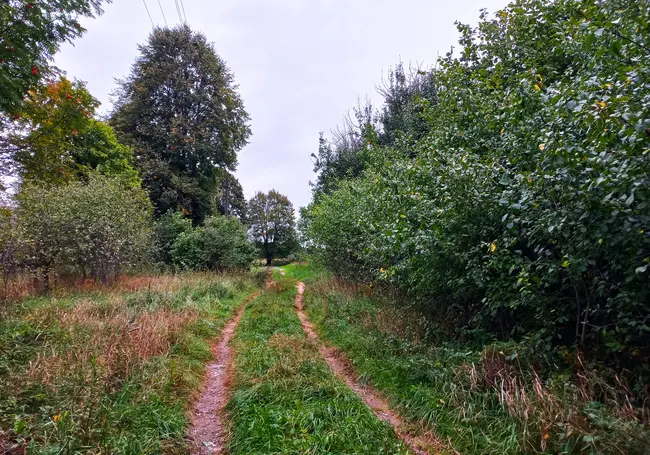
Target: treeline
x,y
151,184
506,190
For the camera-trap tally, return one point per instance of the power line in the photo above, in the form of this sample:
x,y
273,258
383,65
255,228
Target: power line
x,y
184,15
148,13
178,11
163,13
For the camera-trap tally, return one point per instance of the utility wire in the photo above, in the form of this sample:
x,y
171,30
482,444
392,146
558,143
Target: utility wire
x,y
148,13
184,15
163,13
178,11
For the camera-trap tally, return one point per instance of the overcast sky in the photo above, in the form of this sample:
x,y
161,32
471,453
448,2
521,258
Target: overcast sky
x,y
300,64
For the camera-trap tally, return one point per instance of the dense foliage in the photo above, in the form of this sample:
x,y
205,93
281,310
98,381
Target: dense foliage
x,y
78,210
522,212
55,137
220,244
30,34
94,229
231,201
272,225
180,111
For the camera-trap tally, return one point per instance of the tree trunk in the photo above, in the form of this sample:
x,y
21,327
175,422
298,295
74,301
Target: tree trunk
x,y
267,253
46,280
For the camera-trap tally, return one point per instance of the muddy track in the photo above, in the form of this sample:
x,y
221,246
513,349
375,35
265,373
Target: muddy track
x,y
209,424
342,367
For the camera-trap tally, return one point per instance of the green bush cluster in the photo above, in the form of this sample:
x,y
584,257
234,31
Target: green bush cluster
x,y
93,229
523,211
221,243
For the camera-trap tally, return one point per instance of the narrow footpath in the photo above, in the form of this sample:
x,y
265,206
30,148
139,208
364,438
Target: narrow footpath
x,y
342,367
209,422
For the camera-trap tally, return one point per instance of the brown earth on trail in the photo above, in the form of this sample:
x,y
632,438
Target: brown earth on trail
x,y
209,424
342,367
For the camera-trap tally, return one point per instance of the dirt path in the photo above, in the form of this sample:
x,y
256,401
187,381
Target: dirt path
x,y
208,420
343,369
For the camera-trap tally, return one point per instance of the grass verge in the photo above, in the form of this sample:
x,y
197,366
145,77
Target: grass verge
x,y
110,371
285,398
485,401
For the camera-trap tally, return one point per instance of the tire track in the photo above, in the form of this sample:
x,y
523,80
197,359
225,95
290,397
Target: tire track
x,y
209,423
343,369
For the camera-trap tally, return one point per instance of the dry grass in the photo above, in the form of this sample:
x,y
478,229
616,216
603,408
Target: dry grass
x,y
112,342
547,408
22,287
110,367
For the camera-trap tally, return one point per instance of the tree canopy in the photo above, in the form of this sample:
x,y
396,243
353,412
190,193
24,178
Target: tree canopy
x,y
55,137
272,225
30,34
231,200
180,111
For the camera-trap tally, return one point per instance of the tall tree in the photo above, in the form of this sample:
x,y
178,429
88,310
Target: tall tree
x,y
56,138
231,201
272,225
181,112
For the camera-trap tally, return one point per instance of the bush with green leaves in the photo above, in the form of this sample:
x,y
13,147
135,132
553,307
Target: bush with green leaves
x,y
167,229
95,229
523,212
220,244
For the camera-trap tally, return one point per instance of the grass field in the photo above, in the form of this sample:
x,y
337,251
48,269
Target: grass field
x,y
286,400
110,371
116,370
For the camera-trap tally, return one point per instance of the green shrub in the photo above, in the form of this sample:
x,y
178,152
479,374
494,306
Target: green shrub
x,y
221,243
95,229
167,229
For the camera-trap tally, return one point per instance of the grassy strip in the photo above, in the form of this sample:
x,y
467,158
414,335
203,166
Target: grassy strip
x,y
479,400
113,371
286,400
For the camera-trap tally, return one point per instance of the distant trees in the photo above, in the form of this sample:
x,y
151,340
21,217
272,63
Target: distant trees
x,y
272,225
79,209
231,200
180,111
408,93
220,244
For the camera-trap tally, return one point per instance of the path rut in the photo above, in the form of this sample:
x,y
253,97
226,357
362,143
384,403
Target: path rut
x,y
209,425
343,369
